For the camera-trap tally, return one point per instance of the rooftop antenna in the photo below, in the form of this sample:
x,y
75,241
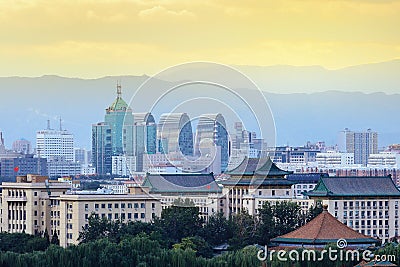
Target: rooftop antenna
x,y
48,124
119,89
60,124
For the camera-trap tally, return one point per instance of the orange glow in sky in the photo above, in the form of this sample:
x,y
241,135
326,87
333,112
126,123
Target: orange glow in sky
x,y
94,38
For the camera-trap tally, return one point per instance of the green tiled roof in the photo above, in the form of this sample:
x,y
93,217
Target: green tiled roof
x,y
355,186
118,105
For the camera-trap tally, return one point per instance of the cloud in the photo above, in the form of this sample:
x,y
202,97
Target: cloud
x,y
92,15
160,11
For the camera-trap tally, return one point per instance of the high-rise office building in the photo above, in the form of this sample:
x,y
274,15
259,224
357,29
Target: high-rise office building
x,y
82,155
11,167
213,127
52,144
362,144
139,139
2,147
108,136
149,129
21,146
174,134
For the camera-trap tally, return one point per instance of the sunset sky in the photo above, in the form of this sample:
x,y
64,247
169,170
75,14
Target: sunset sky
x,y
95,38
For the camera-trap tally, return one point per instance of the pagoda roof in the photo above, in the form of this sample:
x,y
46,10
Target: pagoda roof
x,y
181,183
258,167
355,186
322,230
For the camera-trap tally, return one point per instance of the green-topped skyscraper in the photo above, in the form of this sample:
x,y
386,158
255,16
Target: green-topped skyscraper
x,y
107,136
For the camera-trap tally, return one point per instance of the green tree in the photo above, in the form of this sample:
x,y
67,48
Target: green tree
x,y
197,244
22,243
46,237
218,229
54,239
179,221
97,228
245,230
287,216
278,219
314,211
266,229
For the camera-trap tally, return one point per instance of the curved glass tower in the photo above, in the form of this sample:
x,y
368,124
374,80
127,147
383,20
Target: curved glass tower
x,y
213,126
174,134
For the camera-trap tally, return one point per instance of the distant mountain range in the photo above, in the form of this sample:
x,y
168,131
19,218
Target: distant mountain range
x,y
368,78
360,97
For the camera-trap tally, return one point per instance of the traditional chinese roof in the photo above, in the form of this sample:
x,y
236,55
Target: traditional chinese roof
x,y
181,183
355,186
322,230
258,167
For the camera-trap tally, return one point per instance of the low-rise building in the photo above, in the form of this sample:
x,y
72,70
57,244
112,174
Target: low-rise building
x,y
304,182
334,158
26,203
321,231
369,205
389,159
254,178
76,209
59,167
35,204
200,189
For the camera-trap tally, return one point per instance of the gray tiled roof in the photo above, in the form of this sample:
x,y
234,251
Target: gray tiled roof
x,y
355,186
255,182
303,178
258,166
181,182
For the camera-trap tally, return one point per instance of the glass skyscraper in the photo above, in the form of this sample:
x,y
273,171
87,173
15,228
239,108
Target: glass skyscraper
x,y
108,136
213,127
174,134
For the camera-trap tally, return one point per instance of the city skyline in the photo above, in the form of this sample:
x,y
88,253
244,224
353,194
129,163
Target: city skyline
x,y
8,141
199,132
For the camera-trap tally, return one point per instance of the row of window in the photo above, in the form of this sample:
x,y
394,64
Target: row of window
x,y
17,226
17,214
273,193
55,222
358,204
122,216
117,205
239,192
16,193
375,232
304,186
367,214
369,224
